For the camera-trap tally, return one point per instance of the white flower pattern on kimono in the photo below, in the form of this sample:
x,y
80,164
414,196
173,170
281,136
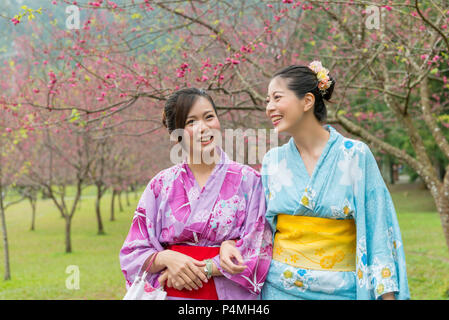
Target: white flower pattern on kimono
x,y
250,252
383,277
288,278
168,215
349,166
359,146
327,282
224,215
279,175
256,283
139,215
193,194
393,244
299,279
136,243
169,176
343,213
266,250
362,270
307,199
199,216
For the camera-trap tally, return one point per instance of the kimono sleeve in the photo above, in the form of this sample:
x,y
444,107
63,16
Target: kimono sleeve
x,y
141,241
270,216
380,254
254,244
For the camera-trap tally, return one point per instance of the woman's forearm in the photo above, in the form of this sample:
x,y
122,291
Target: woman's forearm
x,y
158,264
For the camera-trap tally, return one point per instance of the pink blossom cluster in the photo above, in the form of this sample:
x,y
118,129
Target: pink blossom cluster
x,y
53,79
96,3
180,73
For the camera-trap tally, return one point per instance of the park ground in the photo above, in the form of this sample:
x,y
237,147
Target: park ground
x,y
39,263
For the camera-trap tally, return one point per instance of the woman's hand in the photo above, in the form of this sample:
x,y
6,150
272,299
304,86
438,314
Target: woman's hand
x,y
165,277
388,296
228,252
182,271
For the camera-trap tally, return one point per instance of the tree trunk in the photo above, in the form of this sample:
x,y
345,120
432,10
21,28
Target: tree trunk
x,y
68,237
136,196
386,168
98,211
62,214
120,201
78,206
5,238
33,214
127,197
112,206
443,209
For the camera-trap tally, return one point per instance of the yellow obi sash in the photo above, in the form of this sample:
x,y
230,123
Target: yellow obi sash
x,y
315,243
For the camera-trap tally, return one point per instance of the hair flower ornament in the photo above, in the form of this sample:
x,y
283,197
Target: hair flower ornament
x,y
322,75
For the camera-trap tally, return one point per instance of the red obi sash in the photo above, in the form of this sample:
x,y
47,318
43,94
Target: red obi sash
x,y
208,291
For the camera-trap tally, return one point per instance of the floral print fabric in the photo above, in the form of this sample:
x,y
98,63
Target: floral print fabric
x,y
175,210
345,184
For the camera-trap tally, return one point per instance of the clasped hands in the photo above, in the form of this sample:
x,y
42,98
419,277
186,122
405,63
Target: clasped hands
x,y
184,272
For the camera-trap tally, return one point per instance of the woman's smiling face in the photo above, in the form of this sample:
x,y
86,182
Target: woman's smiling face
x,y
284,108
201,127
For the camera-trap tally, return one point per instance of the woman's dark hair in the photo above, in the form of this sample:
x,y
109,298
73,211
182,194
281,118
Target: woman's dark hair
x,y
301,80
178,105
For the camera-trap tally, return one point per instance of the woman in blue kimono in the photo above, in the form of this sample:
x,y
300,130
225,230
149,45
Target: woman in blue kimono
x,y
335,230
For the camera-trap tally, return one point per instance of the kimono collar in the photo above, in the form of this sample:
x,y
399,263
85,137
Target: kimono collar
x,y
333,133
333,136
224,159
201,199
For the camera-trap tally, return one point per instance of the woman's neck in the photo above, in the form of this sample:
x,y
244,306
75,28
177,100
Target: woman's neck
x,y
310,137
201,166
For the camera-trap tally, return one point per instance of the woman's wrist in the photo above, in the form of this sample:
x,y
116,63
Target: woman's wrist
x,y
211,270
161,259
158,263
215,271
208,269
231,241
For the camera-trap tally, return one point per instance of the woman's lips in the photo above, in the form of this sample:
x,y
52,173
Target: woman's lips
x,y
276,120
205,143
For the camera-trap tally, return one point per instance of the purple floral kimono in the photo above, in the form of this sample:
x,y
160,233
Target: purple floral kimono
x,y
174,210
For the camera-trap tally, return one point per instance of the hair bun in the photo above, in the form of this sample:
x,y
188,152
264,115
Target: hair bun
x,y
164,119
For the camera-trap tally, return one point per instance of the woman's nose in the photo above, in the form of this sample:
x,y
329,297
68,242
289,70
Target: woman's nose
x,y
200,126
269,108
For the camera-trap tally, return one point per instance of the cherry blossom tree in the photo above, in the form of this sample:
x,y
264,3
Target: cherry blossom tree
x,y
109,79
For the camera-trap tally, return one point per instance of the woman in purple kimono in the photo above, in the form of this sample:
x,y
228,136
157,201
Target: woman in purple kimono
x,y
188,210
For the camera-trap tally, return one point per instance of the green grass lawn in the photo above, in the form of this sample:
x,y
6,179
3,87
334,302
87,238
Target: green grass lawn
x,y
38,261
426,253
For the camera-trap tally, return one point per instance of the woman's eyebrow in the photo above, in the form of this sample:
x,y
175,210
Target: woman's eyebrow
x,y
274,92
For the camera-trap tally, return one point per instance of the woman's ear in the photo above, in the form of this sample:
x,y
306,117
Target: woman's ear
x,y
309,101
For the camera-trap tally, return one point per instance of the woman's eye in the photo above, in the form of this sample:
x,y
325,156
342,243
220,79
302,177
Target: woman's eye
x,y
209,116
189,122
277,97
